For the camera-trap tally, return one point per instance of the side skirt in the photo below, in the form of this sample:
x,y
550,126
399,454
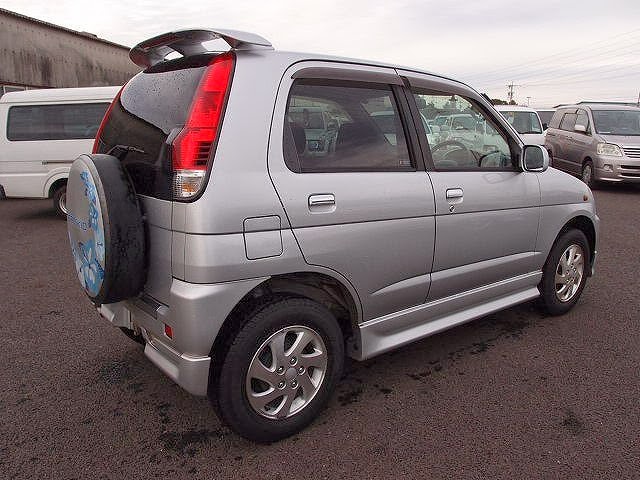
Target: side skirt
x,y
391,331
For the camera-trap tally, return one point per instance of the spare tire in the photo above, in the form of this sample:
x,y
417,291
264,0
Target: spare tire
x,y
106,229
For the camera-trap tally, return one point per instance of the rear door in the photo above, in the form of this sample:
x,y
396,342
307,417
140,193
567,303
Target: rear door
x,y
487,211
357,198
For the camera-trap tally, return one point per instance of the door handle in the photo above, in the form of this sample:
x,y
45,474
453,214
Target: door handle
x,y
322,199
453,193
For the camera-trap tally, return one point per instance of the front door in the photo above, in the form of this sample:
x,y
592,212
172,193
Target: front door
x,y
487,210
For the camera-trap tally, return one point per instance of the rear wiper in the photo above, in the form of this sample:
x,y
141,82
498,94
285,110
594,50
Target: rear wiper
x,y
121,151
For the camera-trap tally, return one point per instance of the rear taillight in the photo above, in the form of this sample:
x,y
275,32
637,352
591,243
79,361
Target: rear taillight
x,y
96,142
193,146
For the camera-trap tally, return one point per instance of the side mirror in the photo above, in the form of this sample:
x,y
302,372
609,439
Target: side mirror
x,y
580,128
544,126
535,158
435,129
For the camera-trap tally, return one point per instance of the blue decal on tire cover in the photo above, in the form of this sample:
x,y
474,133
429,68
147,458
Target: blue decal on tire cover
x,y
86,231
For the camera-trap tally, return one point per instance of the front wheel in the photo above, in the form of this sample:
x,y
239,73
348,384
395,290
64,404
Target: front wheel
x,y
588,174
280,370
565,273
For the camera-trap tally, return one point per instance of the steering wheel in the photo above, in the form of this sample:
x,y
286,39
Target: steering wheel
x,y
454,143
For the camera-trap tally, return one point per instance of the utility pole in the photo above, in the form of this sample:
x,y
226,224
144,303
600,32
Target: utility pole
x,y
510,88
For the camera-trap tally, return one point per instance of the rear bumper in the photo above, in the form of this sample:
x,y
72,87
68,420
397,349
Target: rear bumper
x,y
195,316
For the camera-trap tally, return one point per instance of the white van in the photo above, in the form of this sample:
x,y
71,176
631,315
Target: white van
x,y
41,134
526,121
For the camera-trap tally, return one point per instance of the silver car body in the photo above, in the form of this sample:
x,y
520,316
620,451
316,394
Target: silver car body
x,y
410,260
571,148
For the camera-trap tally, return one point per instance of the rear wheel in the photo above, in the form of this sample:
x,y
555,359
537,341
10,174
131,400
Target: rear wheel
x,y
60,201
565,272
280,370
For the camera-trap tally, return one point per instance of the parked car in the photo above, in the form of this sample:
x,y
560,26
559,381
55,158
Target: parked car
x,y
545,115
526,122
598,142
249,267
41,134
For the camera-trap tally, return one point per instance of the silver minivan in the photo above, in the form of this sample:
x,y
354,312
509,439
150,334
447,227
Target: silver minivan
x,y
249,259
598,142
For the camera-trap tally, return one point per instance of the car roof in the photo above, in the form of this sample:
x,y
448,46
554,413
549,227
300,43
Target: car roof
x,y
605,106
514,108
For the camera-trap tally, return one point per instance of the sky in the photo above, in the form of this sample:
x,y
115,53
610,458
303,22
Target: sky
x,y
552,51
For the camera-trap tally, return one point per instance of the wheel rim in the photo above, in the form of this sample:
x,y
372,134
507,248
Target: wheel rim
x,y
62,202
286,372
569,273
586,174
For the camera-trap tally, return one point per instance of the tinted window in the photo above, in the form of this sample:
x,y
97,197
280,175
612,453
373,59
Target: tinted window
x,y
343,126
470,141
568,121
55,122
153,103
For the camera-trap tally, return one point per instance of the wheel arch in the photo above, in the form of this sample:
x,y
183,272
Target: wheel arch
x,y
54,183
586,226
320,287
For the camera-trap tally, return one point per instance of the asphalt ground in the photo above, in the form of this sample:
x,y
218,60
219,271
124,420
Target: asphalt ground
x,y
513,395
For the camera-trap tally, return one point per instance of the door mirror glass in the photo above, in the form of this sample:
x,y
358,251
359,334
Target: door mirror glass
x,y
535,158
580,128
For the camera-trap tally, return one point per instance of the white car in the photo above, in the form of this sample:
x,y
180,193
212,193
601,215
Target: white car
x,y
526,121
41,134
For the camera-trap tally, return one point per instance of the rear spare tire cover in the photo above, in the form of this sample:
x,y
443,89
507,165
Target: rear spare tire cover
x,y
106,229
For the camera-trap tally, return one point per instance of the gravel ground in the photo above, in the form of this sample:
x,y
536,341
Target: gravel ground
x,y
512,395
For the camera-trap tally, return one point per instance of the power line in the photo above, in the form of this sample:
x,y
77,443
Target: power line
x,y
608,43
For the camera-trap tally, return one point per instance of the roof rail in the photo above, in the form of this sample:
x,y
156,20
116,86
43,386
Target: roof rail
x,y
190,42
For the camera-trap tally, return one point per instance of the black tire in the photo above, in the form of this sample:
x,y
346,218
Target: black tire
x,y
60,201
227,386
587,174
549,298
106,229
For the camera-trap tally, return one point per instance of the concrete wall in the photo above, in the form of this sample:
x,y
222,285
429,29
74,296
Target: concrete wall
x,y
37,54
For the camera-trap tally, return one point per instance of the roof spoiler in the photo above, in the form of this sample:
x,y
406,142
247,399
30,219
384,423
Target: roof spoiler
x,y
190,42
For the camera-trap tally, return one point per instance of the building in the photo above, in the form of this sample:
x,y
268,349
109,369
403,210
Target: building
x,y
37,54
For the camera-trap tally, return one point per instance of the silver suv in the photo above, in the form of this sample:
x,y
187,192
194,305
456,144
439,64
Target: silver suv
x,y
211,225
598,142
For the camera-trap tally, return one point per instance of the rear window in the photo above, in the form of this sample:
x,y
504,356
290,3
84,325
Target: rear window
x,y
153,106
73,121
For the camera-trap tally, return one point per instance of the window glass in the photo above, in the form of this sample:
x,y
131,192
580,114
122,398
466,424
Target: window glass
x,y
556,118
568,121
523,122
617,122
582,119
55,122
343,126
467,138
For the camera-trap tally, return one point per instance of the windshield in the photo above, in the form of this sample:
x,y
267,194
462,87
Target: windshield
x,y
463,122
440,120
523,122
617,122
